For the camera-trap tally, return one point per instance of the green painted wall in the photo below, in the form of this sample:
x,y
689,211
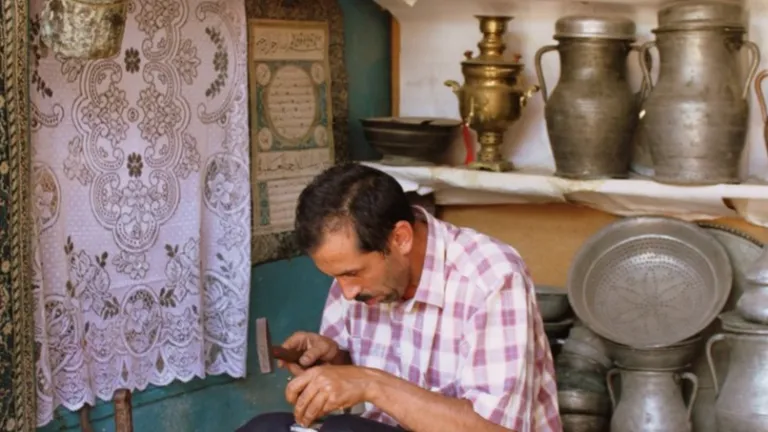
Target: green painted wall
x,y
289,293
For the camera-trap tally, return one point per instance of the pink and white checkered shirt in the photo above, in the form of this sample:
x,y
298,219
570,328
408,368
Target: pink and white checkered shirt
x,y
472,331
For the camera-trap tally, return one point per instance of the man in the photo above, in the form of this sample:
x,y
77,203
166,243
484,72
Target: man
x,y
434,327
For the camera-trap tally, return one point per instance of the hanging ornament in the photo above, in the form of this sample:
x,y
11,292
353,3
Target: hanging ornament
x,y
86,29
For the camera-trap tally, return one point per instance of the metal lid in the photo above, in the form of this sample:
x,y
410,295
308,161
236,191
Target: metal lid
x,y
688,13
734,323
582,26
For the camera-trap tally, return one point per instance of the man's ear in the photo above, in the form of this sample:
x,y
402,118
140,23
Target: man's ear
x,y
401,238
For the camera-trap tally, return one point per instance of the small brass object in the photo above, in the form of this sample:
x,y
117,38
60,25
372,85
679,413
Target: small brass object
x,y
491,98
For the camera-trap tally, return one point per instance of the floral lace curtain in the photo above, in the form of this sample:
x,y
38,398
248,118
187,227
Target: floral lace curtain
x,y
141,195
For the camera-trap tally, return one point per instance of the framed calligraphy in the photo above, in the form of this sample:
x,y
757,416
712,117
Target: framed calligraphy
x,y
298,111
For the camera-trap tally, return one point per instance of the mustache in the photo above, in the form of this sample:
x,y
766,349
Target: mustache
x,y
363,297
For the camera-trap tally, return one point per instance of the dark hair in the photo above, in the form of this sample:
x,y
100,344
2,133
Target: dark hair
x,y
350,193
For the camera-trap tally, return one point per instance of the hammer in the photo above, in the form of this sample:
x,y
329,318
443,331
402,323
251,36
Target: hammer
x,y
267,352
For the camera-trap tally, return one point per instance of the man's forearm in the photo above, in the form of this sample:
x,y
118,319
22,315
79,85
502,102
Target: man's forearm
x,y
420,410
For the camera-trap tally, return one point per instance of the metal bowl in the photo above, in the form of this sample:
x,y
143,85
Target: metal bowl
x,y
583,423
553,303
410,140
587,350
558,329
673,357
649,281
583,402
571,377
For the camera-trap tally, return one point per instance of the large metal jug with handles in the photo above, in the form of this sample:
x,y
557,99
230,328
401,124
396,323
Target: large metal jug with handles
x,y
591,114
695,118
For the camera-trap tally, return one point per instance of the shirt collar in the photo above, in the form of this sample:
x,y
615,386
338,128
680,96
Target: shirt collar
x,y
431,289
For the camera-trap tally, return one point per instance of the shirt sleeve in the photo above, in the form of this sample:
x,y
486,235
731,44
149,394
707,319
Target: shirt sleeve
x,y
498,357
334,322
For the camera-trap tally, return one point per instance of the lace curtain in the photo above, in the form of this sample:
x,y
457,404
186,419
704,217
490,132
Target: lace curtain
x,y
140,183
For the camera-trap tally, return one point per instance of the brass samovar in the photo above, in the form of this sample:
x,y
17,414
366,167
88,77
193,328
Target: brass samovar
x,y
491,98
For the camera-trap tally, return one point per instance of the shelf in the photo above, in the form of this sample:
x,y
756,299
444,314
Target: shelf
x,y
628,197
406,9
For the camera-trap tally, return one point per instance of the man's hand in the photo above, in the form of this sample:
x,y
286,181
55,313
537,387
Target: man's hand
x,y
324,389
316,348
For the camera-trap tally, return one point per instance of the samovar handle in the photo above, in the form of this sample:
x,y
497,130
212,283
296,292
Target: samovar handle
x,y
755,50
760,95
609,384
539,73
717,337
694,392
528,94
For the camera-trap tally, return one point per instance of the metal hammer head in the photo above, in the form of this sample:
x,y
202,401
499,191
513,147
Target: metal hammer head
x,y
263,345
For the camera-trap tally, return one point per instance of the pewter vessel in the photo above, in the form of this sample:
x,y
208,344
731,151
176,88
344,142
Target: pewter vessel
x,y
694,121
651,401
591,114
742,400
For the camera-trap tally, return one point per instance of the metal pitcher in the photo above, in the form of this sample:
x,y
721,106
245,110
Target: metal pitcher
x,y
695,119
651,401
591,114
742,400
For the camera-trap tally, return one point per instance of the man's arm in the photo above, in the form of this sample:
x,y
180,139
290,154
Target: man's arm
x,y
420,410
495,378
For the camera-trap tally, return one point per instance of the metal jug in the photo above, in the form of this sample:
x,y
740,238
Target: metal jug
x,y
742,400
651,401
695,119
591,114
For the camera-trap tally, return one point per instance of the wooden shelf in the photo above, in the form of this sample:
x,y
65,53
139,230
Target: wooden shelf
x,y
627,197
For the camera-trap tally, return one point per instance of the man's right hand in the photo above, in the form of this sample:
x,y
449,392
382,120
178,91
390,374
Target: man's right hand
x,y
315,348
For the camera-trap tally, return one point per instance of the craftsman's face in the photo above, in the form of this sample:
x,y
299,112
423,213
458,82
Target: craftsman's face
x,y
370,277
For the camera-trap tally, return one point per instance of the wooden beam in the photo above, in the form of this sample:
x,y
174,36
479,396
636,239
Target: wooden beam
x,y
395,68
123,411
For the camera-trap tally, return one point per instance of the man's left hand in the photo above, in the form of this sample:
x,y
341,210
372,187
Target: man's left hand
x,y
320,390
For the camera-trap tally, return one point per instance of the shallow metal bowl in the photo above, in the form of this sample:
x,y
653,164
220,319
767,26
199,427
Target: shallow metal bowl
x,y
673,357
583,402
584,423
410,140
553,303
649,281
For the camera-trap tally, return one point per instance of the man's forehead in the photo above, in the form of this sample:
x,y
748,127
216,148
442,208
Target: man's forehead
x,y
339,237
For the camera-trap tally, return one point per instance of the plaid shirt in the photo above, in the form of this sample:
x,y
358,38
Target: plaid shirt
x,y
472,331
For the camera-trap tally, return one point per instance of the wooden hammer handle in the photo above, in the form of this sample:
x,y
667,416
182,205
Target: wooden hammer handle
x,y
284,354
289,356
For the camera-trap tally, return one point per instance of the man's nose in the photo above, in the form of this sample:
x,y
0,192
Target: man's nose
x,y
350,291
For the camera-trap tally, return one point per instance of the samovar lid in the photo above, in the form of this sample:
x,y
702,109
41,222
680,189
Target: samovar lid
x,y
733,322
688,13
583,26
